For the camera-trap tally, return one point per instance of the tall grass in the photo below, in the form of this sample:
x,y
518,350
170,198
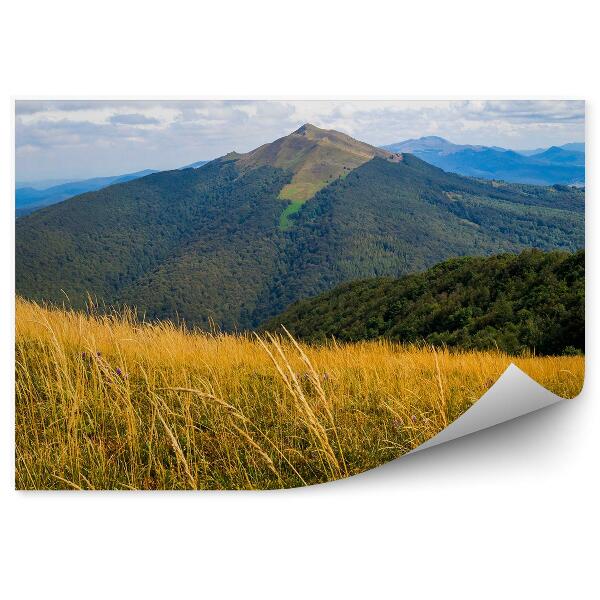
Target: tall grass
x,y
104,402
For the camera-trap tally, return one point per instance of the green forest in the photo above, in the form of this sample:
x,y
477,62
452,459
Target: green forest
x,y
219,245
533,301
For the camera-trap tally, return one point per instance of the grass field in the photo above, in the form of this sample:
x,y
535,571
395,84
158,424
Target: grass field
x,y
108,403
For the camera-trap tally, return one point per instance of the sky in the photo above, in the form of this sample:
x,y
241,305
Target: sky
x,y
76,139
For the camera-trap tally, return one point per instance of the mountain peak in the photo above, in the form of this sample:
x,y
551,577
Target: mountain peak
x,y
308,128
434,138
431,144
315,156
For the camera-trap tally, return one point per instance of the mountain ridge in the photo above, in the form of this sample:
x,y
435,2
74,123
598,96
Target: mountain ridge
x,y
533,301
555,165
206,245
28,199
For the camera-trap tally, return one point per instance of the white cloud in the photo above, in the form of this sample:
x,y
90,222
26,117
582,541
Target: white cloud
x,y
84,138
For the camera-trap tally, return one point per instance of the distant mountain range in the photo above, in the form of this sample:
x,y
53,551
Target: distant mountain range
x,y
543,166
574,146
558,164
195,165
238,240
30,198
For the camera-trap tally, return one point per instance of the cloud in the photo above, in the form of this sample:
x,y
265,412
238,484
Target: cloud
x,y
31,107
48,134
532,111
81,138
133,119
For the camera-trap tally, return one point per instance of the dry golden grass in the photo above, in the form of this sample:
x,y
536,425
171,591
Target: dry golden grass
x,y
107,403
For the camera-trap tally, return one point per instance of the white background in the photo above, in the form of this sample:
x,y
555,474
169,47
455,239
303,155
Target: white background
x,y
508,513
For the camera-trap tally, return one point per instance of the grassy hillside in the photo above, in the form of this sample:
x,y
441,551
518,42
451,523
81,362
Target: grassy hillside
x,y
531,301
316,157
107,403
219,245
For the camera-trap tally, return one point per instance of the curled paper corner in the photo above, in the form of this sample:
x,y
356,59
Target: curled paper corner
x,y
513,395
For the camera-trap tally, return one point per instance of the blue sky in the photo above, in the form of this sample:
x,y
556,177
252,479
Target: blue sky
x,y
87,138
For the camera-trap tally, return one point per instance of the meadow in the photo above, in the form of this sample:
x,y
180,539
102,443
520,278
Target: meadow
x,y
107,402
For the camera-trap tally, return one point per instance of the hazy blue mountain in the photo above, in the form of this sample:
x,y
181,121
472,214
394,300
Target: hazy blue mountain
x,y
432,144
531,152
556,165
558,155
195,165
28,199
32,196
43,184
571,147
574,146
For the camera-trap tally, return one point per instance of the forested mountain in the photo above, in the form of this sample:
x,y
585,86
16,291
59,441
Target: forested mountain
x,y
28,199
533,301
555,165
240,238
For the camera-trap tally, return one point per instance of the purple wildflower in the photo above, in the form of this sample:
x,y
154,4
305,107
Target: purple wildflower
x,y
119,372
